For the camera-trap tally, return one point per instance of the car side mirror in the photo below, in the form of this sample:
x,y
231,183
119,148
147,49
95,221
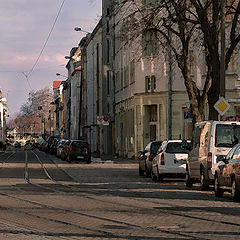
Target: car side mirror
x,y
221,158
186,145
141,152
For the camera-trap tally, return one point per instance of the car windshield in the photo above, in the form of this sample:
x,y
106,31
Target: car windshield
x,y
154,147
176,147
227,135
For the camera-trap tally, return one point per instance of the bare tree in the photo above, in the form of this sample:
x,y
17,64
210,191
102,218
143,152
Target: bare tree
x,y
185,24
31,112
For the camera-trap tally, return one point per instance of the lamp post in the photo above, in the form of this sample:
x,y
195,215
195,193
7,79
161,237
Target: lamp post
x,y
77,29
58,74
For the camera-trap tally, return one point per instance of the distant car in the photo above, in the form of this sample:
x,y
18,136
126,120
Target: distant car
x,y
48,145
145,158
38,142
170,160
59,147
227,174
53,146
28,146
17,145
76,150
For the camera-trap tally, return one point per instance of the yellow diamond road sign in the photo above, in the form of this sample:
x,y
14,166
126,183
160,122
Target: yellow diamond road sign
x,y
222,106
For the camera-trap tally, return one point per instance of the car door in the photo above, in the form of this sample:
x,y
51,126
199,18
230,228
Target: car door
x,y
161,151
226,173
193,161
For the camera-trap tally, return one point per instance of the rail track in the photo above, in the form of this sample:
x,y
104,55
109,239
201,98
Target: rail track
x,y
64,216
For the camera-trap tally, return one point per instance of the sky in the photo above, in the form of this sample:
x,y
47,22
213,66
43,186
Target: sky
x,y
25,26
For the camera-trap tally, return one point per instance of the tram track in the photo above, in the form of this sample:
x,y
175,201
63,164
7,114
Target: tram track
x,y
75,193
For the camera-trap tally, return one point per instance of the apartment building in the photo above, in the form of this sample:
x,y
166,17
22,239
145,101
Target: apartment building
x,y
132,81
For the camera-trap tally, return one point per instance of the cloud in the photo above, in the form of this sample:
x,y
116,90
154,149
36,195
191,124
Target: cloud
x,y
25,25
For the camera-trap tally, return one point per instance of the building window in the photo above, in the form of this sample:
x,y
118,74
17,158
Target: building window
x,y
132,71
153,113
126,76
107,26
232,66
150,83
108,50
149,43
108,82
147,83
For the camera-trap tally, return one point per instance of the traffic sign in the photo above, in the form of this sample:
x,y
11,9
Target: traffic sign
x,y
222,106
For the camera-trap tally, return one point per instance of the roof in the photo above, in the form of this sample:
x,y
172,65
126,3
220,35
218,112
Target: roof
x,y
56,84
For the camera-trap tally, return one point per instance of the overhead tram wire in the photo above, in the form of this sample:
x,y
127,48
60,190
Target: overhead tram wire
x,y
40,54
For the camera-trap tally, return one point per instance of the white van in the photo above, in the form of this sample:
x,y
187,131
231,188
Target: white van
x,y
210,139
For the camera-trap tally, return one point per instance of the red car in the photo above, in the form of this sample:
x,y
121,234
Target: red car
x,y
227,174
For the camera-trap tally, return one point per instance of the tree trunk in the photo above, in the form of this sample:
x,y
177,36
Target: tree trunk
x,y
214,91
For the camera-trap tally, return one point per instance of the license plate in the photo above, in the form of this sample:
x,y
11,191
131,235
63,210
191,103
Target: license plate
x,y
80,157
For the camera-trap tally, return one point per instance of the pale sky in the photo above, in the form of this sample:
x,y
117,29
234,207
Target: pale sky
x,y
25,26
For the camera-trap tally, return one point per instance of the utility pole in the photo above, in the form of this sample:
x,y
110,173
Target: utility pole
x,y
222,60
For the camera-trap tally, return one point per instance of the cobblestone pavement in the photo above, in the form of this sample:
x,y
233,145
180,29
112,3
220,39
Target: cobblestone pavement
x,y
43,197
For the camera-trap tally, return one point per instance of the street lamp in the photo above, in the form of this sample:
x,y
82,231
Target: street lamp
x,y
58,74
79,29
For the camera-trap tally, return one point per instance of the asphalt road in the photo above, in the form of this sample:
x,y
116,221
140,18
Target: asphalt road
x,y
42,197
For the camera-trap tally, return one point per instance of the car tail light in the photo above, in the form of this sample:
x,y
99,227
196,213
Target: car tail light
x,y
162,159
209,160
151,156
70,147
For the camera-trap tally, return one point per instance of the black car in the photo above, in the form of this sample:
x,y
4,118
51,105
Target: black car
x,y
17,145
145,158
50,142
76,150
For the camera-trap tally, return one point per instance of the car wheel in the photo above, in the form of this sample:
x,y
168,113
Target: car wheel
x,y
203,183
141,172
154,178
218,191
148,173
89,161
159,176
189,181
68,159
235,194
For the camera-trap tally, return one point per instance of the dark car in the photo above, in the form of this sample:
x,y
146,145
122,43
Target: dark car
x,y
59,147
227,174
76,150
145,158
53,146
49,143
17,145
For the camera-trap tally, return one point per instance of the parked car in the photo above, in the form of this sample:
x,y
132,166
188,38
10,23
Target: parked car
x,y
59,147
210,139
145,158
53,146
170,160
49,143
38,142
17,145
43,145
28,146
76,150
227,174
